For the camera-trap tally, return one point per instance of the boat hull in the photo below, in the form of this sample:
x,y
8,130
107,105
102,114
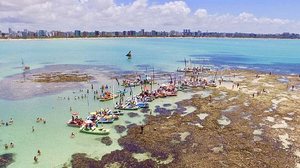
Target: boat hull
x,y
95,131
107,99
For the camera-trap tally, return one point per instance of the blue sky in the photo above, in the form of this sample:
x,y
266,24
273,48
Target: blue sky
x,y
285,9
257,16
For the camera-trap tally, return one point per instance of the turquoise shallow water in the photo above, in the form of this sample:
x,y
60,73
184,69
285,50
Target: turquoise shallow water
x,y
53,139
158,52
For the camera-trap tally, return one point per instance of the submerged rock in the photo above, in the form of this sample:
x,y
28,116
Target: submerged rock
x,y
6,159
132,114
167,105
106,140
120,128
131,125
145,110
127,122
163,111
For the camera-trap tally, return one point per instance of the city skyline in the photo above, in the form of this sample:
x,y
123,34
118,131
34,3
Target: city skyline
x,y
29,34
117,15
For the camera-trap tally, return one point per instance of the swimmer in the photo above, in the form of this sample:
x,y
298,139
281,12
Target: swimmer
x,y
12,145
35,159
11,121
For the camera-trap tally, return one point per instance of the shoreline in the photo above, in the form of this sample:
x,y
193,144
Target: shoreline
x,y
105,38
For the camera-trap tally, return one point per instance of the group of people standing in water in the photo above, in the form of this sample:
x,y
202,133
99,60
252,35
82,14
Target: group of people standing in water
x,y
85,95
41,120
11,145
10,122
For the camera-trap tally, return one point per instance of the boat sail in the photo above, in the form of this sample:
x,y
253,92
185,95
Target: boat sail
x,y
129,55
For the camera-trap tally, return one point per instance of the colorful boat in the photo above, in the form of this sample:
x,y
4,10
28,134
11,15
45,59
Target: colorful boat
x,y
107,97
171,93
104,120
142,104
118,113
75,123
94,130
126,107
131,83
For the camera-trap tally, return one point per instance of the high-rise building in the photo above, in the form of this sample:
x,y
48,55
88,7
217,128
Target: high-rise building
x,y
97,33
142,32
77,33
187,32
10,31
42,33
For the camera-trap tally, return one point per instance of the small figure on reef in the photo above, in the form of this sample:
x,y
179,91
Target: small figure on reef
x,y
32,128
72,135
253,95
35,159
210,99
92,86
270,73
70,108
44,121
293,87
39,153
5,146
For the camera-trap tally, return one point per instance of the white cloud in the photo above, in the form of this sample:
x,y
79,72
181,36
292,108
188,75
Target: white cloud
x,y
107,15
201,13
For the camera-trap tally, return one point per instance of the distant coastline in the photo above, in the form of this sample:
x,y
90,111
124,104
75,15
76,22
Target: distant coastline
x,y
145,37
186,33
